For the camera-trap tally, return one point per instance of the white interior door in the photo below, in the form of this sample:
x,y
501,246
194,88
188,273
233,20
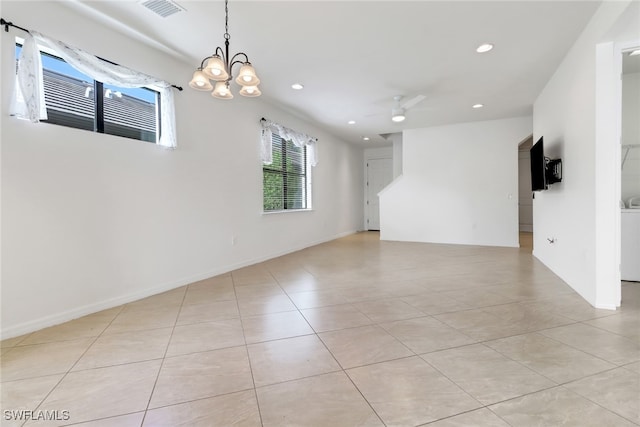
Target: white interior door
x,y
379,175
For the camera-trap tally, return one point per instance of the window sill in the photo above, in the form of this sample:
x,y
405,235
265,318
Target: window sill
x,y
286,211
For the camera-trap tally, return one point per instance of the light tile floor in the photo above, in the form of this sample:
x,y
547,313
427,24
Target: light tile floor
x,y
354,332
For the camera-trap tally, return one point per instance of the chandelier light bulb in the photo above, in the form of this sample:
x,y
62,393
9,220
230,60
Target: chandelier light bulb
x,y
200,81
250,91
247,75
222,91
215,69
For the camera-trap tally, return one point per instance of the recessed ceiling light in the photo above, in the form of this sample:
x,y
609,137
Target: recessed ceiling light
x,y
483,48
634,52
366,138
297,86
477,106
351,122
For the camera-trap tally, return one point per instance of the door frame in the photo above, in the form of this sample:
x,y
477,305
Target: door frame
x,y
608,176
529,192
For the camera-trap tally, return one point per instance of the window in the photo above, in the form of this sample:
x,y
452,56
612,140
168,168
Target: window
x,y
76,100
286,180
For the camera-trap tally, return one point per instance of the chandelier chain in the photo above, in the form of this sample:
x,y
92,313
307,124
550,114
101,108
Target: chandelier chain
x,y
226,19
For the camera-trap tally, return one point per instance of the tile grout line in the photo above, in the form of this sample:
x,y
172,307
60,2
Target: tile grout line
x,y
578,349
598,404
155,383
547,389
462,413
454,383
246,349
342,369
74,364
560,342
606,330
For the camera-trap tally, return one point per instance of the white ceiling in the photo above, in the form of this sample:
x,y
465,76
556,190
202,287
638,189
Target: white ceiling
x,y
354,56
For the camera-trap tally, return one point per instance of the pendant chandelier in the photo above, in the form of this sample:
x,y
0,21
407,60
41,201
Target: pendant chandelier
x,y
219,69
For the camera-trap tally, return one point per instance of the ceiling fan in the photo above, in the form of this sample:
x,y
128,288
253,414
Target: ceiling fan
x,y
399,108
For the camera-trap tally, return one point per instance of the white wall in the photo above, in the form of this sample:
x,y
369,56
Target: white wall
x,y
570,113
397,158
378,153
631,135
396,140
91,221
459,185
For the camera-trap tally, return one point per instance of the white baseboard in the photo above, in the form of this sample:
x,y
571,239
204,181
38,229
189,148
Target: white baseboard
x,y
607,307
65,316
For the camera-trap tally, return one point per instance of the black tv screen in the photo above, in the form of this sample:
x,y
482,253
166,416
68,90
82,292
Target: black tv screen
x,y
538,167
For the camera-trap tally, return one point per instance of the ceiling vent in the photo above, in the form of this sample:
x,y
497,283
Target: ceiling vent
x,y
163,8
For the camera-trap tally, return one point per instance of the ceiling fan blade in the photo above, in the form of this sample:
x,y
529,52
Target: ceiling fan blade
x,y
413,101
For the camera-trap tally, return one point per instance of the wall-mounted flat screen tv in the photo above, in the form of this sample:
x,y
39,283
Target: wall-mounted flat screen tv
x,y
538,167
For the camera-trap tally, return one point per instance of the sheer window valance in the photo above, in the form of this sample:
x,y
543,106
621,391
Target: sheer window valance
x,y
29,102
298,138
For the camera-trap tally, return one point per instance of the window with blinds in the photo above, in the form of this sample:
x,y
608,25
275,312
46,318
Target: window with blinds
x,y
285,181
76,100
